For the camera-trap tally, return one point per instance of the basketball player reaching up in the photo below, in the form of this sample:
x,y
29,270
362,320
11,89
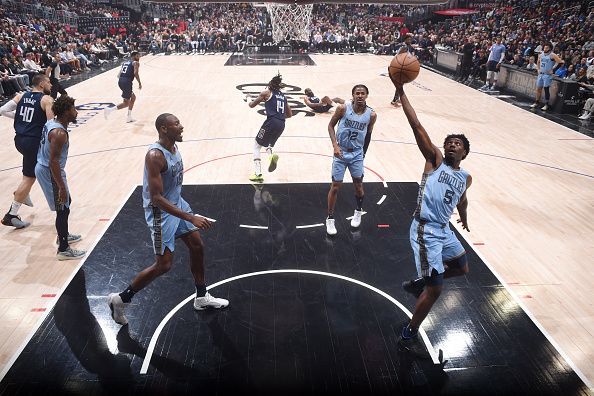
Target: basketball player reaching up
x,y
30,111
406,46
350,142
168,217
277,110
320,105
438,253
128,72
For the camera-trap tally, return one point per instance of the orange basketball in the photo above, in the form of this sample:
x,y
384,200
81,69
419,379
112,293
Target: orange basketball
x,y
404,68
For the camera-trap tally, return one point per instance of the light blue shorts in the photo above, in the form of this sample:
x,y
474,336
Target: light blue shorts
x,y
166,228
433,244
352,161
544,80
50,188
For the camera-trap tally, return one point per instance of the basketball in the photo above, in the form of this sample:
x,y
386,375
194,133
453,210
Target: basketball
x,y
404,68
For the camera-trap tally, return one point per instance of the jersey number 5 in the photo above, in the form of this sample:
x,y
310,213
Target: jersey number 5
x,y
449,194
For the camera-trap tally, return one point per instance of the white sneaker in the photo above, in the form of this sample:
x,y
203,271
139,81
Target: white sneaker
x,y
117,306
208,301
484,87
130,119
70,254
330,227
585,116
356,220
545,107
534,105
107,111
72,238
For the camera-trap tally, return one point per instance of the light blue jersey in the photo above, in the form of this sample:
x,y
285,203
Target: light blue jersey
x,y
165,227
352,128
439,193
497,50
43,155
172,177
43,173
547,63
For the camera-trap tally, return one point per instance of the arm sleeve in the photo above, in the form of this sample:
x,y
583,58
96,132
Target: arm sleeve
x,y
366,144
8,110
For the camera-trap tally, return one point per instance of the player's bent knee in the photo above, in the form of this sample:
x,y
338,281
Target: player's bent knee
x,y
458,263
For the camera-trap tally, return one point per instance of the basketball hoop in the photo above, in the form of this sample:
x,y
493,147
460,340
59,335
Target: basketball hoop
x,y
289,21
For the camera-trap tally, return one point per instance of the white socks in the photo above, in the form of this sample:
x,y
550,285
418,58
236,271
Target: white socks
x,y
14,208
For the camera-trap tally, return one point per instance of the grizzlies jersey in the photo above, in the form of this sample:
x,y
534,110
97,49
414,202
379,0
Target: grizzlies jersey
x,y
43,155
275,105
546,63
172,177
439,193
30,118
352,128
127,71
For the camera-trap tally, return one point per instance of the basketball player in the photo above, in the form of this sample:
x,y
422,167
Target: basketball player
x,y
350,142
438,253
168,217
547,62
318,105
277,110
128,72
404,48
30,111
496,57
51,162
53,72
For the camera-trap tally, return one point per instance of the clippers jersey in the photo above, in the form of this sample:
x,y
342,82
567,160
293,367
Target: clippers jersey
x,y
439,193
172,177
30,118
352,128
43,155
275,105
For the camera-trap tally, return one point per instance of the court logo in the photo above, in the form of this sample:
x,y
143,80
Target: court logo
x,y
292,92
89,110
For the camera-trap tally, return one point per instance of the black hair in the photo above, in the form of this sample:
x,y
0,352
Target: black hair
x,y
38,79
275,83
162,120
133,54
62,105
360,86
460,136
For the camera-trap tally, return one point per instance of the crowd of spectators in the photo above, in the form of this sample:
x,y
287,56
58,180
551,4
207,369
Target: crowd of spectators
x,y
27,42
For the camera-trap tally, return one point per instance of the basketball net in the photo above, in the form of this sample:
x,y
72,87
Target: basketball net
x,y
289,21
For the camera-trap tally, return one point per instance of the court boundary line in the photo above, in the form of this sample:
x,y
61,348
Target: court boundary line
x,y
527,312
153,342
52,304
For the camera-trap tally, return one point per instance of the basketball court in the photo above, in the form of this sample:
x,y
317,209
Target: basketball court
x,y
308,314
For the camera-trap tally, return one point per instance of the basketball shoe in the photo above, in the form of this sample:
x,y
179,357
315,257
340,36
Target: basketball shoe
x,y
256,178
356,220
273,162
117,306
14,221
208,301
330,227
70,254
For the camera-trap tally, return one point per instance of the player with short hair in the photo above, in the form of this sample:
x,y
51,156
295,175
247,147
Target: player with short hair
x,y
547,62
30,111
51,174
350,142
496,57
128,72
438,253
168,217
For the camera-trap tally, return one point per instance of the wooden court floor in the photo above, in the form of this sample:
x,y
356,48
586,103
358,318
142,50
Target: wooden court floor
x,y
531,210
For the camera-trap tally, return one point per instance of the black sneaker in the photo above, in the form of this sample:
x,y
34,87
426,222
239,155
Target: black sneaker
x,y
414,287
14,221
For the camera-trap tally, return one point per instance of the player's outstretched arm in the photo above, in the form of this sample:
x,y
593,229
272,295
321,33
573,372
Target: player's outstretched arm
x,y
155,163
431,153
263,97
